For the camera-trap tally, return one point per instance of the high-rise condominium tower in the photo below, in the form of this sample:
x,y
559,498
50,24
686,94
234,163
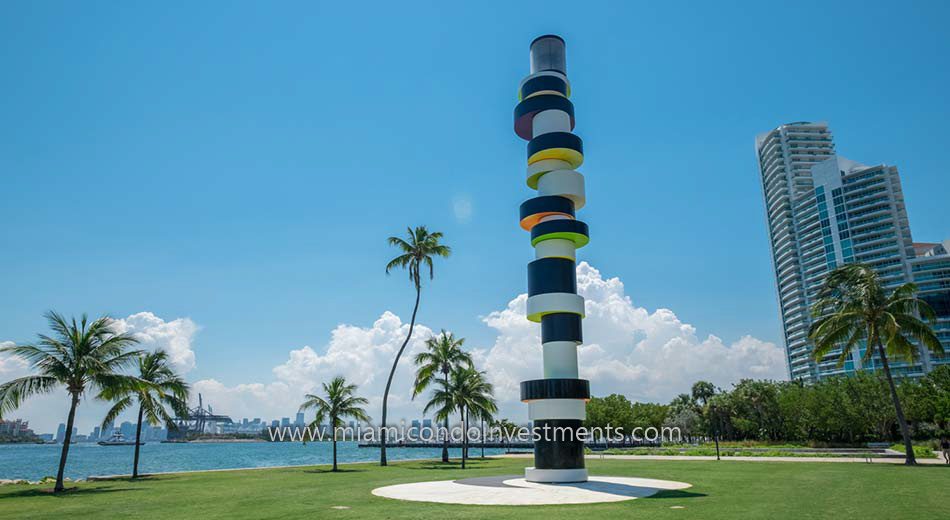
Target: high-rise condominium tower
x,y
823,211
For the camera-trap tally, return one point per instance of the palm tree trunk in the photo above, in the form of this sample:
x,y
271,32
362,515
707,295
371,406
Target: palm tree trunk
x,y
334,445
464,439
392,372
909,459
67,438
138,439
482,438
445,423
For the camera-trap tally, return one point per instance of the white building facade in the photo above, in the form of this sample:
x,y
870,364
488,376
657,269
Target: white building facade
x,y
824,211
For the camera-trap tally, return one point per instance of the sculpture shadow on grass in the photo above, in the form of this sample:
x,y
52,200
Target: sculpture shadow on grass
x,y
628,490
614,488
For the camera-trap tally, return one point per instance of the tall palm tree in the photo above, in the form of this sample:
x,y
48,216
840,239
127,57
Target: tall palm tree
x,y
443,353
159,387
702,391
341,401
417,251
854,309
78,356
468,393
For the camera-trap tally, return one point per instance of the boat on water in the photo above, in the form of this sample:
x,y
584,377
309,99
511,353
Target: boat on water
x,y
117,439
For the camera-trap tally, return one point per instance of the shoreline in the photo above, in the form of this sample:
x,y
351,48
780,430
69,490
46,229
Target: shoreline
x,y
92,462
100,478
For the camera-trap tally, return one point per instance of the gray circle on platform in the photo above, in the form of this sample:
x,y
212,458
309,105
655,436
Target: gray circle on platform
x,y
512,490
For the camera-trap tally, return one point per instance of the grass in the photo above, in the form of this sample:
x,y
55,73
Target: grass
x,y
921,452
727,489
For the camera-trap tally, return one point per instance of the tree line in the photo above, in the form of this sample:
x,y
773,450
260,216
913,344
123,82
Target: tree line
x,y
840,410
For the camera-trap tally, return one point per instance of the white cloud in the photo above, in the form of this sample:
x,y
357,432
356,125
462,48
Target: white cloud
x,y
646,356
628,350
462,208
12,367
363,355
46,411
174,337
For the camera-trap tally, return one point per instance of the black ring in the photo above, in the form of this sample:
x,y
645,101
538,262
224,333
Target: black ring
x,y
546,204
559,226
544,82
555,140
561,326
558,446
526,110
555,389
551,275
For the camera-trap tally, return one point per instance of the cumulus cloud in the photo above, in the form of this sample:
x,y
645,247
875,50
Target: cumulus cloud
x,y
174,337
627,349
11,367
154,333
648,356
363,355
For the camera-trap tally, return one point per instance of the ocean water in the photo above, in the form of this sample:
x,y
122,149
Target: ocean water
x,y
35,461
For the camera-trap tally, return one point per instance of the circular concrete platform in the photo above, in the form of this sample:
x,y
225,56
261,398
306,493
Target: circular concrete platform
x,y
513,490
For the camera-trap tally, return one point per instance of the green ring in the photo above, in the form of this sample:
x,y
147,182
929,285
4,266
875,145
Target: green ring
x,y
578,239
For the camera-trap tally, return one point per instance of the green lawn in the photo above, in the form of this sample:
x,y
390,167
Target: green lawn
x,y
726,489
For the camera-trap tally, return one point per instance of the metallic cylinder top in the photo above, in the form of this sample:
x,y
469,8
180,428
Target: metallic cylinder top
x,y
547,53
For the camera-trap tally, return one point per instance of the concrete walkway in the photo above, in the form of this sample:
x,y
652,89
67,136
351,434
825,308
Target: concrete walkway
x,y
862,460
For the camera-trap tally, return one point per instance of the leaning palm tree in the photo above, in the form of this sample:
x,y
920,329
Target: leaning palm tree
x,y
468,393
341,401
442,354
854,309
78,356
159,387
417,252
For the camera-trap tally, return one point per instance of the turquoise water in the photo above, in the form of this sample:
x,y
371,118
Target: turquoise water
x,y
35,461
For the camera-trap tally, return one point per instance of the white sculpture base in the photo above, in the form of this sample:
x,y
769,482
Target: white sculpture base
x,y
511,490
555,476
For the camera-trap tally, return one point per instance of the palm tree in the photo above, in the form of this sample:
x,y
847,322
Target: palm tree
x,y
443,353
78,356
467,392
508,430
702,391
417,251
159,387
854,309
341,401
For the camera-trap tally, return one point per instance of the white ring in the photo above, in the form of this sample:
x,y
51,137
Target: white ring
x,y
557,409
560,359
565,183
539,168
549,303
548,121
556,247
555,475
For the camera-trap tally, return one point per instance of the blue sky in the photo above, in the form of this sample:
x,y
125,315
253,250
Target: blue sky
x,y
242,164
